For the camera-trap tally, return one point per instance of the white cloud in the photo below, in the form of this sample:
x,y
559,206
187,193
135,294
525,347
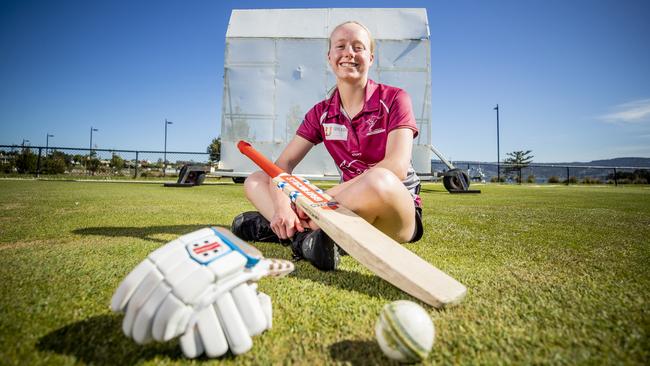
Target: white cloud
x,y
637,111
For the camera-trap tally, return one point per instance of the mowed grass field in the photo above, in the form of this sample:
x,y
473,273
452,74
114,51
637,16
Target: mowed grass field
x,y
556,275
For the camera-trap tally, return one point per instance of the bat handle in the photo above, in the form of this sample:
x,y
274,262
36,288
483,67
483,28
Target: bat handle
x,y
265,164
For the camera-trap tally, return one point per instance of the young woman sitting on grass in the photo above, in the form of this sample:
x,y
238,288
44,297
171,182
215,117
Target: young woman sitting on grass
x,y
368,129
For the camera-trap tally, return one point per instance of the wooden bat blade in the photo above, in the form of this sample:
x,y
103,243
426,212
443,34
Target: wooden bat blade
x,y
375,250
365,243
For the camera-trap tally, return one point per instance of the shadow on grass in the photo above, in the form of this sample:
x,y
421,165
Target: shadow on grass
x,y
99,341
352,281
359,353
145,233
429,190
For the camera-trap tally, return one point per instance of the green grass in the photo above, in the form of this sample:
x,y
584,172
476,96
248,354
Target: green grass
x,y
556,275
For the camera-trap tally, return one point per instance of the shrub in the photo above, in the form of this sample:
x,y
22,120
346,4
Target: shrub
x,y
590,180
55,165
530,179
571,180
26,161
7,167
117,163
92,165
553,179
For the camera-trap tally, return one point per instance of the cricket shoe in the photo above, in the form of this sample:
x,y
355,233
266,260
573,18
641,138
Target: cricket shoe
x,y
252,226
317,248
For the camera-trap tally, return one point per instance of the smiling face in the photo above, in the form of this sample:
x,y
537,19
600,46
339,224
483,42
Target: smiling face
x,y
350,55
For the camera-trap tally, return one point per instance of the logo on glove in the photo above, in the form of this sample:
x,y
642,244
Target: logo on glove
x,y
207,251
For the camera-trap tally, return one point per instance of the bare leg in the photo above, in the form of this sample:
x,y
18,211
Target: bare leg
x,y
381,199
378,196
258,193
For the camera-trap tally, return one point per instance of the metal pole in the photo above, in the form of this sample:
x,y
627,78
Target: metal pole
x,y
91,140
90,150
136,164
38,162
165,153
47,142
498,147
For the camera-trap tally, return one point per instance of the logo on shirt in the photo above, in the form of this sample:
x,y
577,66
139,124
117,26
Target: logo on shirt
x,y
371,125
353,167
335,132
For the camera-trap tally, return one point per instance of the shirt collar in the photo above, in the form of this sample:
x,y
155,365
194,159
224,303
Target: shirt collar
x,y
370,104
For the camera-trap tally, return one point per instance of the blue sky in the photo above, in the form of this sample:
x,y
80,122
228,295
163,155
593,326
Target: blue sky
x,y
572,78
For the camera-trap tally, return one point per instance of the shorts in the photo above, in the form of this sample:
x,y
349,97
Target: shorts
x,y
419,228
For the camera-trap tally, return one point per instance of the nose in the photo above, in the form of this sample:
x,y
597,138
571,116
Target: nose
x,y
348,51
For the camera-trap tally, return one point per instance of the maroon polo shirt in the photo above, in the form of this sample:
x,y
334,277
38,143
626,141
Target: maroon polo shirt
x,y
358,143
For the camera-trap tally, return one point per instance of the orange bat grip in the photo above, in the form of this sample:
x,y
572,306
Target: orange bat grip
x,y
267,165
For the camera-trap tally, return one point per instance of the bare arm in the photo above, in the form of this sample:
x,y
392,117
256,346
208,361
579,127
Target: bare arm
x,y
293,154
399,148
285,222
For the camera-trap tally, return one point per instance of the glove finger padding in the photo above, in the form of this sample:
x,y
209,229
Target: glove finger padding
x,y
265,302
199,286
207,335
249,306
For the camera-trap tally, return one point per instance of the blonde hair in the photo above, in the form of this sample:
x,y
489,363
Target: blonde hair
x,y
372,40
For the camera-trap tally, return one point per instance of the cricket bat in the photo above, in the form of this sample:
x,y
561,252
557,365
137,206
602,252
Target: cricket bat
x,y
375,250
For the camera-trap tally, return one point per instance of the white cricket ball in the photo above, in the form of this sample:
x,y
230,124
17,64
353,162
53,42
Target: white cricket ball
x,y
405,331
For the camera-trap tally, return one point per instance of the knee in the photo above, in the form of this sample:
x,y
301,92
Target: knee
x,y
383,183
255,181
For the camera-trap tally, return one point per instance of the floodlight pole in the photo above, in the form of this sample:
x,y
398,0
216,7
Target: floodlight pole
x,y
90,152
498,151
47,142
165,153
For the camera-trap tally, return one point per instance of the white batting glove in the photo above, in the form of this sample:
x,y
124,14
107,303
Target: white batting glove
x,y
201,286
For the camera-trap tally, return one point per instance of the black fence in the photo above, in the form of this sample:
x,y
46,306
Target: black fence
x,y
65,161
16,160
549,173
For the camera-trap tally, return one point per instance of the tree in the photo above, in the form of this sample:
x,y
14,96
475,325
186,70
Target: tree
x,y
55,163
78,159
117,163
92,165
214,149
26,161
517,160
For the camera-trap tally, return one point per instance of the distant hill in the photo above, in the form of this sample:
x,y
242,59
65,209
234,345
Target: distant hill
x,y
632,162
